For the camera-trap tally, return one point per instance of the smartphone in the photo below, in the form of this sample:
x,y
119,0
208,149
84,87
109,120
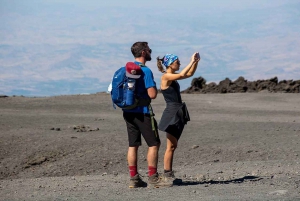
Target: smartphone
x,y
198,55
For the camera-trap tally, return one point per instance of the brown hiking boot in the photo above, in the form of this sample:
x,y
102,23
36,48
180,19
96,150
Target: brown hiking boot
x,y
170,178
136,182
155,181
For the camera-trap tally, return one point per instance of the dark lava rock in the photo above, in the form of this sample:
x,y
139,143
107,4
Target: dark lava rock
x,y
241,85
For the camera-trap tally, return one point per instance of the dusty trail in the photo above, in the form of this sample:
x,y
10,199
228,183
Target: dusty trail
x,y
237,147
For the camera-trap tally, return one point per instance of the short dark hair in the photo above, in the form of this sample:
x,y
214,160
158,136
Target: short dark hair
x,y
138,47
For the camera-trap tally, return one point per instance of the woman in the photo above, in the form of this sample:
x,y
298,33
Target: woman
x,y
175,115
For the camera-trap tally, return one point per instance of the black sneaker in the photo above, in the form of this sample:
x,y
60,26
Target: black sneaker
x,y
156,181
136,182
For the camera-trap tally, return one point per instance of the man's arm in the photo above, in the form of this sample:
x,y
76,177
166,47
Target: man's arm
x,y
152,92
150,83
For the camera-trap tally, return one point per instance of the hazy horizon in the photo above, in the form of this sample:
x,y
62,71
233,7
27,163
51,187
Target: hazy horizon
x,y
73,47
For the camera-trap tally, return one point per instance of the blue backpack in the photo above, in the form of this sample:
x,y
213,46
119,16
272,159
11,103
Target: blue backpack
x,y
120,89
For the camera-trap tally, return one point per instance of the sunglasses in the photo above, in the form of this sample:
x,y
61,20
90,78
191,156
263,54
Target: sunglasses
x,y
150,51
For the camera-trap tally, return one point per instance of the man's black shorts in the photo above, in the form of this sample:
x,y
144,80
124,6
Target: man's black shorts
x,y
140,124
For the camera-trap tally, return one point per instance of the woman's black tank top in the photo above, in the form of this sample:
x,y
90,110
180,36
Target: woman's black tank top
x,y
172,93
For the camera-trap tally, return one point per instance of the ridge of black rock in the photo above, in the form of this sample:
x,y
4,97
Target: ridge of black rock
x,y
241,85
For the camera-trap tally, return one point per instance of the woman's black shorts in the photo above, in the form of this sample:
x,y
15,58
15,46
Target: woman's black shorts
x,y
175,130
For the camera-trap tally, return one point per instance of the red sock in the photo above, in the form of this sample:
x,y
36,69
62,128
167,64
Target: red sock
x,y
132,171
151,170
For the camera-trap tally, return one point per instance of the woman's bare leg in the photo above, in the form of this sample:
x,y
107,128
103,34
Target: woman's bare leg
x,y
169,154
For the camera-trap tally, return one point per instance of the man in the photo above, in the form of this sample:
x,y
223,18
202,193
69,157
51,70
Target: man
x,y
140,120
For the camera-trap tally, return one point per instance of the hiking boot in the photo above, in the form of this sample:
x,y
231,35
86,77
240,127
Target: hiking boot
x,y
156,181
170,177
136,182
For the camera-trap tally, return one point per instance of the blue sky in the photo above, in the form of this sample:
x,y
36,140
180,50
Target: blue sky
x,y
60,47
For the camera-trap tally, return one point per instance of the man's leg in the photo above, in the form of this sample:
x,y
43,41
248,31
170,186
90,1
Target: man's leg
x,y
132,160
135,180
153,141
134,139
154,179
152,158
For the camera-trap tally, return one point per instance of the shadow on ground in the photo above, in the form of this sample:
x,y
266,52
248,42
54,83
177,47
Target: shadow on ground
x,y
237,180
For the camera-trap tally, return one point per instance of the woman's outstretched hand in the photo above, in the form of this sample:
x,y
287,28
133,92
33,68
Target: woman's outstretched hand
x,y
196,57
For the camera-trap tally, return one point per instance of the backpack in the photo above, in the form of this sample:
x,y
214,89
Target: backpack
x,y
119,90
